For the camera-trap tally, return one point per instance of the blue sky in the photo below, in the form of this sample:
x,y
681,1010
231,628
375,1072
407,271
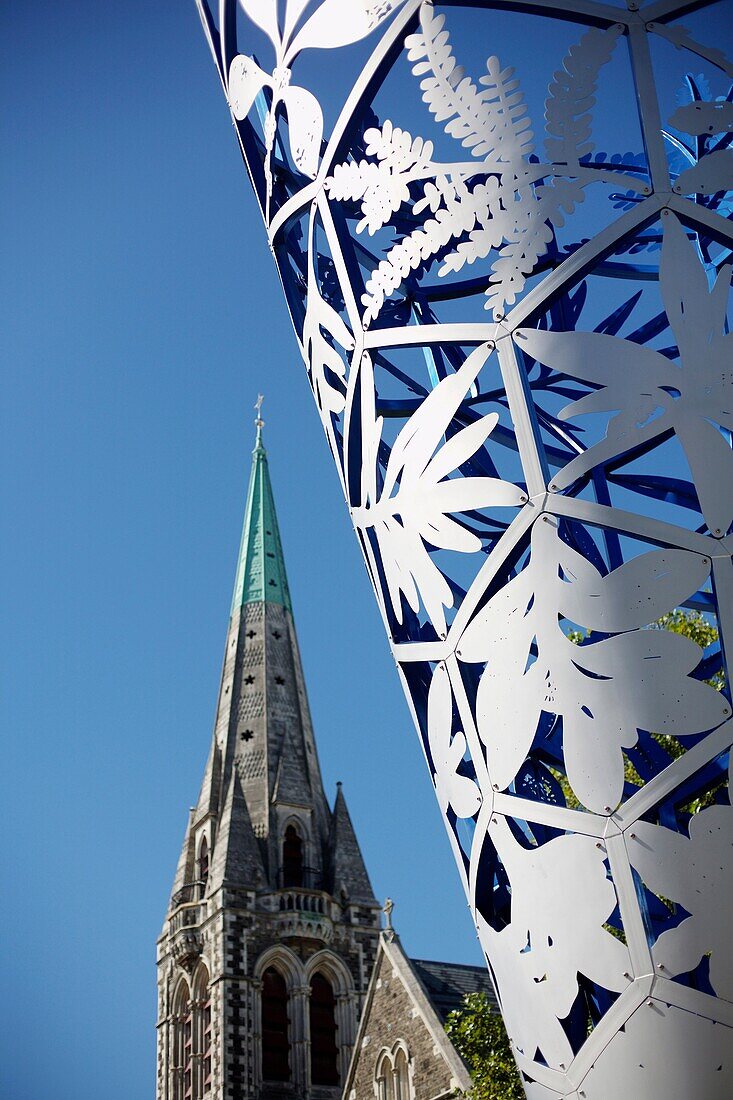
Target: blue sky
x,y
140,317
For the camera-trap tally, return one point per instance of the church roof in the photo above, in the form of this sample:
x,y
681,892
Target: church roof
x,y
261,575
446,984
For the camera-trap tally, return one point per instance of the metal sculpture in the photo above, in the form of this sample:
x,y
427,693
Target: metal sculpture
x,y
520,356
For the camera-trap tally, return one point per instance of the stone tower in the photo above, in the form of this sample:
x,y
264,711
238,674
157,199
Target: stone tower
x,y
272,928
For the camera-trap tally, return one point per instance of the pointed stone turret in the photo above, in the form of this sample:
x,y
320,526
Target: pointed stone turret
x,y
266,867
349,871
237,858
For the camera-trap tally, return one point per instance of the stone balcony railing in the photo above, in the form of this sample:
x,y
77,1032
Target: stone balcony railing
x,y
303,914
186,939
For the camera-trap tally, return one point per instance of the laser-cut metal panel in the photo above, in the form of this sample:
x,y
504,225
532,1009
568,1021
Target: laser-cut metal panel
x,y
518,346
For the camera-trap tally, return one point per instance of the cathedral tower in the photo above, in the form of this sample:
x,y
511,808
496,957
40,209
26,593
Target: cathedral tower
x,y
272,928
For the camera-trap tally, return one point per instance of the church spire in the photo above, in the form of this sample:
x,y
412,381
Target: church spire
x,y
267,870
263,752
261,575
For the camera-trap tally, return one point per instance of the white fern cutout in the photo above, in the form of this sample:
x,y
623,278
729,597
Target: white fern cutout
x,y
382,186
513,208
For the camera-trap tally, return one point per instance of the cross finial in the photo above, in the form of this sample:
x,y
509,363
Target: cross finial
x,y
259,422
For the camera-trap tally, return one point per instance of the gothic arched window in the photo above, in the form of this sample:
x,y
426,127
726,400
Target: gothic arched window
x,y
182,1040
275,1039
202,1028
392,1074
324,1048
383,1078
292,858
203,868
187,1052
401,1077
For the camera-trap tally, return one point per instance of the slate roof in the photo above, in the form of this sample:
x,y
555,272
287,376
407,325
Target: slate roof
x,y
446,984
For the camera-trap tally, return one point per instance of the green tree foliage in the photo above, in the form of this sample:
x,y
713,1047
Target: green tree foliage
x,y
478,1034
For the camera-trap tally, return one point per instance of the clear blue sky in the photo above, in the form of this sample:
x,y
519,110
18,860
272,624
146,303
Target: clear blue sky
x,y
140,316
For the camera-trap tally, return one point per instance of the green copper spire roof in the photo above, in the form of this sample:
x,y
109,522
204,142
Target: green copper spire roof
x,y
261,576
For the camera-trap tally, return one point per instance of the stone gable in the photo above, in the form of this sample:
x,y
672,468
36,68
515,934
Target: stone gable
x,y
398,1014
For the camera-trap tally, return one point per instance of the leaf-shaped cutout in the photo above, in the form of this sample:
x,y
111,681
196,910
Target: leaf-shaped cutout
x,y
701,117
305,126
712,173
693,872
246,81
264,14
339,23
320,354
416,497
605,691
640,590
447,751
646,394
561,900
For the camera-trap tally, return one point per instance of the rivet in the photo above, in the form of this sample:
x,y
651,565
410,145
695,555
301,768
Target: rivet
x,y
627,975
607,809
496,786
650,1002
599,845
660,966
633,836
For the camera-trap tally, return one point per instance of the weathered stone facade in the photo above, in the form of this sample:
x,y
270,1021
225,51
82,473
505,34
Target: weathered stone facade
x,y
270,880
402,1051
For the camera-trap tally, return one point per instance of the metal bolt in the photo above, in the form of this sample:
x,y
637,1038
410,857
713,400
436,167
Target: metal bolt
x,y
496,786
650,1002
627,975
607,809
660,966
633,836
599,845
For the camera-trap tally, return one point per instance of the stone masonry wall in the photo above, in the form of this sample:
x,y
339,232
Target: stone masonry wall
x,y
393,1016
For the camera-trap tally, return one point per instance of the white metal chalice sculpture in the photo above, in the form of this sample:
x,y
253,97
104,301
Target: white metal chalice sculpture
x,y
518,348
